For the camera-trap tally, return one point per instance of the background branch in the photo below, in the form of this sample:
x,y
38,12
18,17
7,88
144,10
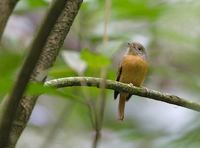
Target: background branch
x,y
118,86
6,8
47,58
99,109
54,130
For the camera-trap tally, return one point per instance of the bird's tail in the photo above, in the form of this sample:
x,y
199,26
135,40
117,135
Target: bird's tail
x,y
121,105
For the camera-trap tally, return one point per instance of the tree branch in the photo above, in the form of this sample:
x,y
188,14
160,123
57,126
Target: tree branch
x,y
46,61
12,101
118,86
6,8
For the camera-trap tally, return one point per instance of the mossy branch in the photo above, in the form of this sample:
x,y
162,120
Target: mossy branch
x,y
118,86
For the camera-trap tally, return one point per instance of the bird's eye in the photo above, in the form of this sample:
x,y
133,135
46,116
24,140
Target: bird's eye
x,y
140,49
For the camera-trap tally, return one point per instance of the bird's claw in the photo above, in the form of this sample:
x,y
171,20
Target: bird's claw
x,y
145,89
131,84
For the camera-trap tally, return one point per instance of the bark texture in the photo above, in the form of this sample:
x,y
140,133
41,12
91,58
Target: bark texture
x,y
10,104
48,57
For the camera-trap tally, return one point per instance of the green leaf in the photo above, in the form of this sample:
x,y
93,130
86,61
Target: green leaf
x,y
38,89
61,71
26,5
136,9
94,60
36,3
95,63
9,63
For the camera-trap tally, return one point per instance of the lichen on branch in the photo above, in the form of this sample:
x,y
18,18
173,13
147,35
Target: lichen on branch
x,y
118,86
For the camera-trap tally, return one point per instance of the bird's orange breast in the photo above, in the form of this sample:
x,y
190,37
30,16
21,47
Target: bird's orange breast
x,y
134,69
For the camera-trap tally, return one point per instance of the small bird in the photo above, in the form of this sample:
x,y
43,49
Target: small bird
x,y
132,70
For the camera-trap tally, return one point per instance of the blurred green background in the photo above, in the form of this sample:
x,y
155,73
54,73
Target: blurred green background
x,y
170,31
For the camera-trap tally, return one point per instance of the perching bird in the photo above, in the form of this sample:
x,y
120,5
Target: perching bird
x,y
132,70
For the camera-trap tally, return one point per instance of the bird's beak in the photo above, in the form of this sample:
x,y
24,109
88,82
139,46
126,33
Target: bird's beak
x,y
132,51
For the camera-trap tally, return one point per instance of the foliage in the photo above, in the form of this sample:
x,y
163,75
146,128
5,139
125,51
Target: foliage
x,y
168,29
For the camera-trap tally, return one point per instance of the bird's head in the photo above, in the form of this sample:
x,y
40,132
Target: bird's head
x,y
137,49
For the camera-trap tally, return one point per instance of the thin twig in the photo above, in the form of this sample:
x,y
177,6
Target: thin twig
x,y
102,96
91,112
65,112
96,139
118,86
106,20
90,104
100,111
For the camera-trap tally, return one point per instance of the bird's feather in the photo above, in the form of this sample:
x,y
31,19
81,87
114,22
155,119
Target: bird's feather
x,y
118,77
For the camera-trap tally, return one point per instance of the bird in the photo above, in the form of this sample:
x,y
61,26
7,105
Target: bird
x,y
132,70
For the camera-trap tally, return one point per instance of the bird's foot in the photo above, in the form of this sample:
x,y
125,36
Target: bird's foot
x,y
131,84
146,89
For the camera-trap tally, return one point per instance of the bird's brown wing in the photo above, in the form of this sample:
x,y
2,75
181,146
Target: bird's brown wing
x,y
118,77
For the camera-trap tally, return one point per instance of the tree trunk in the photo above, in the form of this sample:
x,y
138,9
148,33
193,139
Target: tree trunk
x,y
48,57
